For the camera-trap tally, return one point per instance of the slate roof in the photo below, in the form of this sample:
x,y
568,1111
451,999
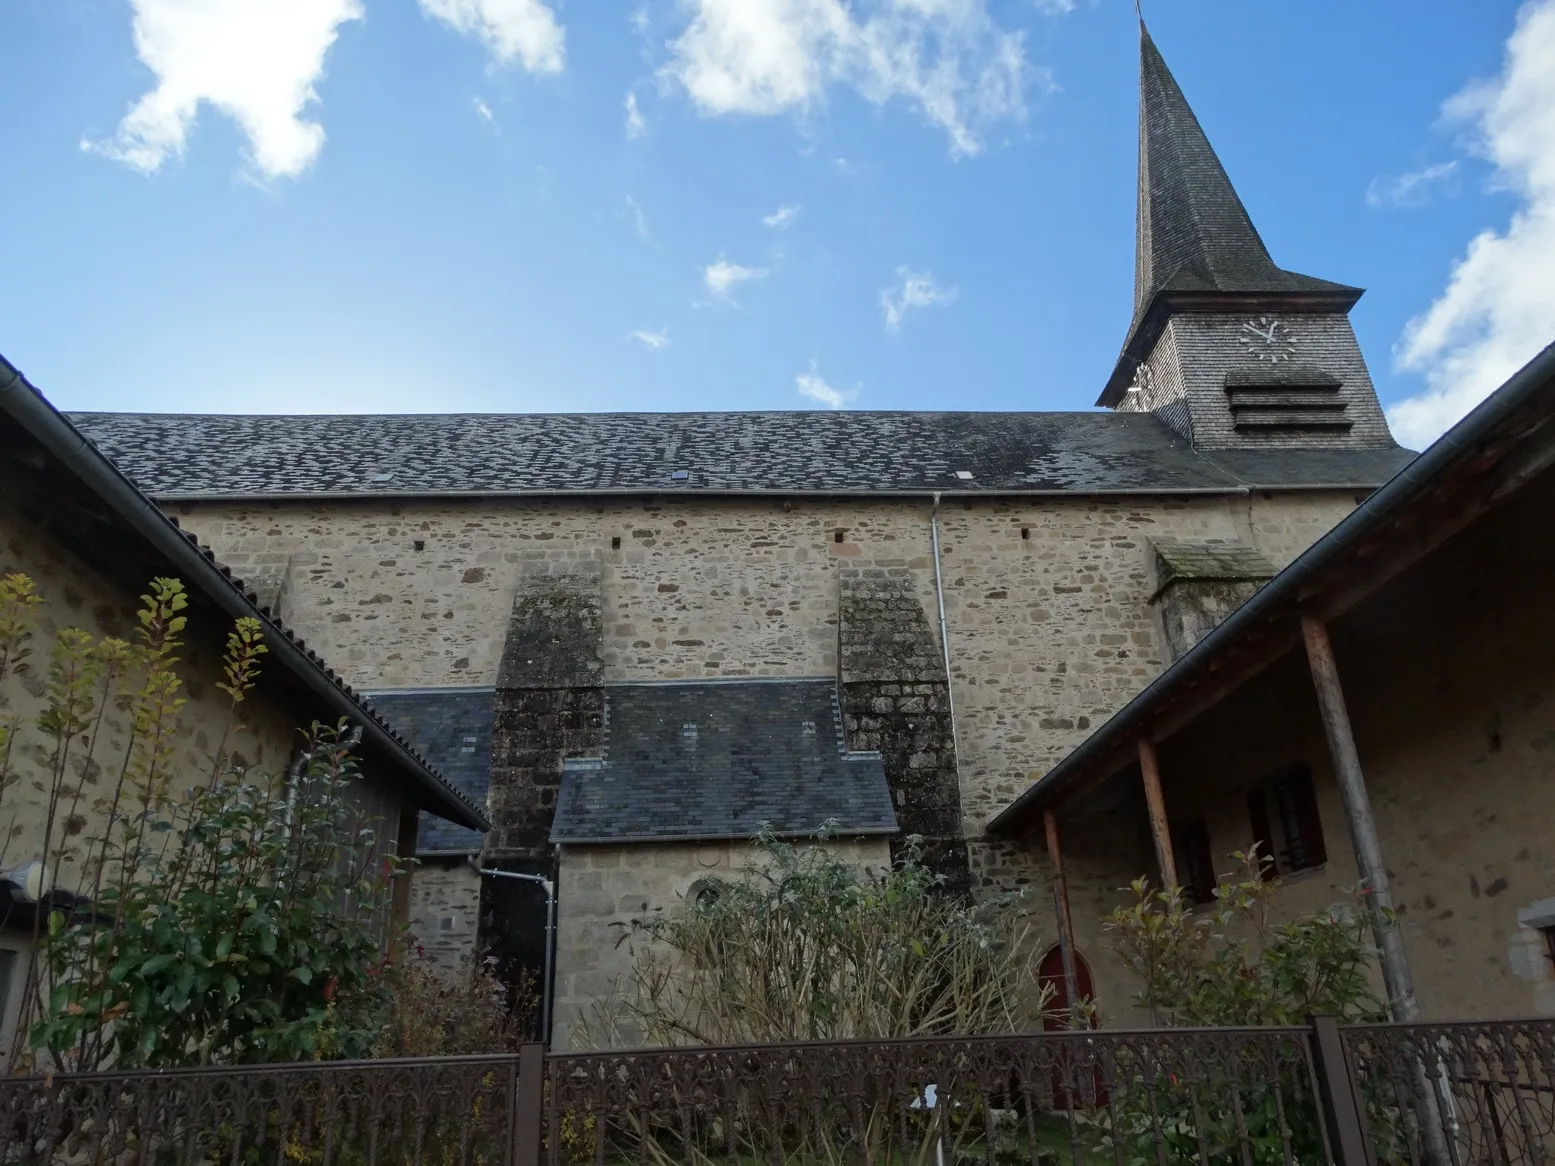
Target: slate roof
x,y
721,759
79,482
451,727
1193,236
1193,233
1209,559
174,456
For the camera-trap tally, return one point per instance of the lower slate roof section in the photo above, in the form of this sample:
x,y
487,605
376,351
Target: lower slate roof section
x,y
174,456
451,727
721,759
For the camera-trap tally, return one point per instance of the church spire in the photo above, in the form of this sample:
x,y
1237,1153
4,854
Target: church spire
x,y
1195,245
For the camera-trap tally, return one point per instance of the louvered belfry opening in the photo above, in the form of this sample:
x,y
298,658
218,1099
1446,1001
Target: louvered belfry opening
x,y
1291,401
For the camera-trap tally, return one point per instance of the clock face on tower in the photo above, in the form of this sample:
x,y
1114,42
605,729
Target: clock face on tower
x,y
1265,338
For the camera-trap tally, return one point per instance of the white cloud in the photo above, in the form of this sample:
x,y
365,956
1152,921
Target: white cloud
x,y
636,127
256,63
1409,189
1498,308
782,218
1054,7
524,30
723,277
946,58
639,220
651,340
811,385
483,111
917,290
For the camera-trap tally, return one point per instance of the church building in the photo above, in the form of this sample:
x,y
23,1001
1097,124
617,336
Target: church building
x,y
638,638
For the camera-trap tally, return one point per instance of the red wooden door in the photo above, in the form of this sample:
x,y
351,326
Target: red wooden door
x,y
1056,1017
1050,973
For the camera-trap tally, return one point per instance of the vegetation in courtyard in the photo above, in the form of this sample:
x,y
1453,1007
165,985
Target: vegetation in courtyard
x,y
219,916
1232,964
808,946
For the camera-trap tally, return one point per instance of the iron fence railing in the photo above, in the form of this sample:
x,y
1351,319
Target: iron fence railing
x,y
1437,1095
1460,1093
456,1111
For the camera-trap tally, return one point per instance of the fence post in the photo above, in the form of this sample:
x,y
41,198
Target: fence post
x,y
1336,1094
528,1106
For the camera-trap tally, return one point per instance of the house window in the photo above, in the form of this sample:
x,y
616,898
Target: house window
x,y
1198,862
1286,826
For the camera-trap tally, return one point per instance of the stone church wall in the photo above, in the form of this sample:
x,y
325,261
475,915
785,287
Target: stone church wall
x,y
1045,599
602,888
445,899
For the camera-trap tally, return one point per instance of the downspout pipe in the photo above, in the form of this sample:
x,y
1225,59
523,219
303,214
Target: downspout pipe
x,y
549,888
944,636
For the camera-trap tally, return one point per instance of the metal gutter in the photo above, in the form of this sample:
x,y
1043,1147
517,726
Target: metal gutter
x,y
55,433
841,834
1285,588
715,492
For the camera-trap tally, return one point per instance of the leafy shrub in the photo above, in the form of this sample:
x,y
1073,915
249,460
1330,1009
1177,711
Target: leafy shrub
x,y
238,920
808,946
436,1014
1231,965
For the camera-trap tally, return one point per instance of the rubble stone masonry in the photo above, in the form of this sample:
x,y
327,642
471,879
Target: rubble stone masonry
x,y
1046,602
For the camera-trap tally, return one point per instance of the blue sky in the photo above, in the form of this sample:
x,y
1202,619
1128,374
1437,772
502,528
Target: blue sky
x,y
434,205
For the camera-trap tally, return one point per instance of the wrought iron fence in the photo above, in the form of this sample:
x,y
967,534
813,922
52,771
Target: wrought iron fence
x,y
1460,1093
455,1111
1437,1095
1225,1095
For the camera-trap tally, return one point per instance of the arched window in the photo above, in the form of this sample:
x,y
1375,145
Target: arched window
x,y
705,892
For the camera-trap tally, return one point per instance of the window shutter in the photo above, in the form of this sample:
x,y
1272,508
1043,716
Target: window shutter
x,y
1198,861
1308,821
1258,815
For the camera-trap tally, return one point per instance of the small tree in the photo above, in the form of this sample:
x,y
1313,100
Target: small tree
x,y
808,946
1234,965
237,920
1230,965
250,937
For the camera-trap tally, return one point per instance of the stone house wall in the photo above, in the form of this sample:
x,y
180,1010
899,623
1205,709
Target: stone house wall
x,y
602,888
76,596
1450,685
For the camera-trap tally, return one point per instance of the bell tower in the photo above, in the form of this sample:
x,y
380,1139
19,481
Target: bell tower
x,y
1230,350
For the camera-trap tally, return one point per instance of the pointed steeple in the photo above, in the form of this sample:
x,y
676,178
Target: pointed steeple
x,y
1195,246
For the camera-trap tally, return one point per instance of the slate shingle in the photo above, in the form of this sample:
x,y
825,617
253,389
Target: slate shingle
x,y
175,456
721,760
451,727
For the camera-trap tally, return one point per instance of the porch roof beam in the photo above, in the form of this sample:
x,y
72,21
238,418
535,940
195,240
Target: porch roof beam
x,y
1502,445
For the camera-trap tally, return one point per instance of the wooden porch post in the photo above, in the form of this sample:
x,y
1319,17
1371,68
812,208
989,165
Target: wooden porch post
x,y
1150,768
1396,975
1065,923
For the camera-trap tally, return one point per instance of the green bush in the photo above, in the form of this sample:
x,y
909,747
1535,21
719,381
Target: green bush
x,y
243,919
808,946
1231,965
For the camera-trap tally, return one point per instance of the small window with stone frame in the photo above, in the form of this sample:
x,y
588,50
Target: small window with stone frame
x,y
1287,828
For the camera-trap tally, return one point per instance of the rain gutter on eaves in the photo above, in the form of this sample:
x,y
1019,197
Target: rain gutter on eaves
x,y
1286,588
926,495
56,434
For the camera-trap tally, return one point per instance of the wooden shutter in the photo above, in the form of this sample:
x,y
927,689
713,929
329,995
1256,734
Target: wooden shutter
x,y
1198,861
1258,815
1308,821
